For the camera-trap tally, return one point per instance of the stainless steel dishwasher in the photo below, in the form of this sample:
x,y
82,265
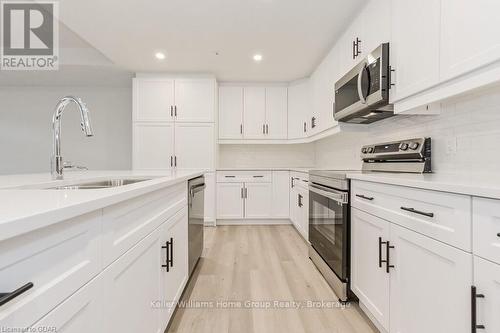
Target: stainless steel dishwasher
x,y
196,203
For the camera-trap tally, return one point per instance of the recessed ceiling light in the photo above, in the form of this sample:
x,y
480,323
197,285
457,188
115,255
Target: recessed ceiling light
x,y
160,55
257,57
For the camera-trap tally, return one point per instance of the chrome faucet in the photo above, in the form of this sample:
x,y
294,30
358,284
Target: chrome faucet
x,y
57,165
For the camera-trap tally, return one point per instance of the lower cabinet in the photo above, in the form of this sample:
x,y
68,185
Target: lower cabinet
x,y
80,313
131,285
487,291
174,264
408,282
370,281
299,209
252,196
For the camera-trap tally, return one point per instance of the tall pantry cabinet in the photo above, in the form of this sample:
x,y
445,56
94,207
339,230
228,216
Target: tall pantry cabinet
x,y
174,126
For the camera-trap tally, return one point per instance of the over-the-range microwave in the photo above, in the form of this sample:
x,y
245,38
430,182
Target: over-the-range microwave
x,y
362,95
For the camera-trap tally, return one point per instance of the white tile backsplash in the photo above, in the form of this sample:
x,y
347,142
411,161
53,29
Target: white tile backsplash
x,y
465,136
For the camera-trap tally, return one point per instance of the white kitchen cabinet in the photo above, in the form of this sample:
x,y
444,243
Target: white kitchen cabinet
x,y
303,211
80,313
230,204
230,112
376,25
153,99
370,280
194,100
469,36
258,200
430,284
487,283
153,146
415,46
57,260
486,228
280,199
276,113
299,109
173,266
131,285
194,146
210,198
254,113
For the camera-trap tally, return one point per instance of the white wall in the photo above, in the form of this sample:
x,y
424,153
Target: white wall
x,y
266,156
26,128
465,136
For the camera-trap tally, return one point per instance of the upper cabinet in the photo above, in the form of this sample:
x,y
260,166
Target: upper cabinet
x,y
230,112
415,46
299,109
153,99
276,112
194,100
169,100
253,112
469,35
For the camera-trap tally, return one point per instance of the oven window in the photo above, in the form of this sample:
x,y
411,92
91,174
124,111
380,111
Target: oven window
x,y
328,231
347,95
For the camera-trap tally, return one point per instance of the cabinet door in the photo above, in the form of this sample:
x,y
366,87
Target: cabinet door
x,y
370,281
195,100
80,313
131,289
415,46
281,190
430,284
153,147
174,243
303,212
194,146
230,200
276,113
254,113
469,35
487,282
299,109
153,99
210,195
376,17
293,206
258,200
230,112
486,228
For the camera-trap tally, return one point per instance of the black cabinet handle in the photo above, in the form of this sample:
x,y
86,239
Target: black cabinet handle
x,y
498,235
7,297
167,249
413,210
171,110
473,301
175,110
171,161
354,49
358,51
388,265
171,259
230,176
255,176
300,200
364,197
380,261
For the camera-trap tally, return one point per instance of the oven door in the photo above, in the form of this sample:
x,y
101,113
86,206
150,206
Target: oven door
x,y
328,227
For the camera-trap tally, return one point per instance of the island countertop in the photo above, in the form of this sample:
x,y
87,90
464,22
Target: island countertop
x,y
26,205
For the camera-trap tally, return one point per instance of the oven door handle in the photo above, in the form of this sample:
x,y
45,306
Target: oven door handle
x,y
341,197
361,95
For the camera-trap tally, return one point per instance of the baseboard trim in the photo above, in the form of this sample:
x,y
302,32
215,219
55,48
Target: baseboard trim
x,y
254,222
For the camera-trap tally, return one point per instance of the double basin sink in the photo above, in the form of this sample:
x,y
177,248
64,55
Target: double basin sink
x,y
101,184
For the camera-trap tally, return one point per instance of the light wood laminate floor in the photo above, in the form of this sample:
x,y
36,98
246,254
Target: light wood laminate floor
x,y
260,263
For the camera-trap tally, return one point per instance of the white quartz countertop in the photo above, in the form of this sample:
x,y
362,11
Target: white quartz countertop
x,y
475,185
305,170
26,206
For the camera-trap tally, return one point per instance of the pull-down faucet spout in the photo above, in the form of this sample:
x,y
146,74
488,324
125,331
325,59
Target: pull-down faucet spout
x,y
57,166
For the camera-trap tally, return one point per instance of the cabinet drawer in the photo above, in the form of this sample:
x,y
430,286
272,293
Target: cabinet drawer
x,y
486,218
57,260
247,176
442,216
126,223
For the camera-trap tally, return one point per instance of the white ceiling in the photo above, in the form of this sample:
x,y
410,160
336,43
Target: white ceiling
x,y
292,35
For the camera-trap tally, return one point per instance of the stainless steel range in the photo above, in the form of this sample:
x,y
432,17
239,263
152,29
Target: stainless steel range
x,y
329,209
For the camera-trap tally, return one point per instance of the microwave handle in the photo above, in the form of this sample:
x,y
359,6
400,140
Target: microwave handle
x,y
362,97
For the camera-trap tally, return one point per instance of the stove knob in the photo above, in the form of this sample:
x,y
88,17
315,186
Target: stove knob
x,y
414,145
370,150
363,150
403,146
